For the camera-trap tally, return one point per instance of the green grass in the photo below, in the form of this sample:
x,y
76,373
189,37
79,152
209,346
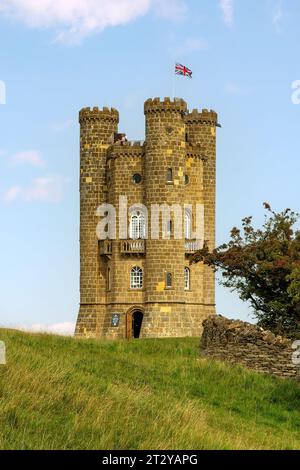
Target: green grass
x,y
62,393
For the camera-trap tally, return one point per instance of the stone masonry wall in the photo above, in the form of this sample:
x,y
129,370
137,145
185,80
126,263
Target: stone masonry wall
x,y
239,342
201,131
97,127
175,139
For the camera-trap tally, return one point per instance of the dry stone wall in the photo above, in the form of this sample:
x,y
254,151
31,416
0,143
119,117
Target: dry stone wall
x,y
258,349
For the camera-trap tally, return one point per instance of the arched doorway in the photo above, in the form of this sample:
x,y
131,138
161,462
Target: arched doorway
x,y
134,323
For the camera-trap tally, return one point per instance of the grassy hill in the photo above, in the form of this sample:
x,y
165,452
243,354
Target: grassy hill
x,y
61,393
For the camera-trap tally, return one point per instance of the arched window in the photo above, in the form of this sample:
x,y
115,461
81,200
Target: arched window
x,y
187,276
187,224
168,280
136,278
169,175
137,225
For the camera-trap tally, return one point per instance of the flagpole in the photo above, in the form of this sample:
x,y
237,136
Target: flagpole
x,y
174,83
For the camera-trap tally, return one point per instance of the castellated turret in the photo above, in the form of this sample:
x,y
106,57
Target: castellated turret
x,y
136,280
97,128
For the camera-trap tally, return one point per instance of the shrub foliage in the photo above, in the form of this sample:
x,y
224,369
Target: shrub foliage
x,y
263,266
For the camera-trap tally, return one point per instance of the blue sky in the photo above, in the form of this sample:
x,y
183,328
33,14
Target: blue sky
x,y
59,56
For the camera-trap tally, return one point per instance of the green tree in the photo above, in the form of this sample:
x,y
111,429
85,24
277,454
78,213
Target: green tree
x,y
263,266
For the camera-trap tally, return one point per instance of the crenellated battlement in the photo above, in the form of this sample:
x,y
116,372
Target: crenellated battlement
x,y
195,151
129,143
156,105
126,149
96,114
204,116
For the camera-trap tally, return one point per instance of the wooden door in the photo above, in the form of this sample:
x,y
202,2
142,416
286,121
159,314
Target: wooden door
x,y
129,325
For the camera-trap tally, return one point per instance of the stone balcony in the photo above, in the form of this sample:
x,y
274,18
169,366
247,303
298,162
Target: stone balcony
x,y
105,247
191,246
136,247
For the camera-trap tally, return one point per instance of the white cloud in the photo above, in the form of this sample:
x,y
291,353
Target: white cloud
x,y
64,329
12,194
44,189
76,19
47,189
234,88
62,125
192,44
31,157
170,9
278,16
131,100
227,9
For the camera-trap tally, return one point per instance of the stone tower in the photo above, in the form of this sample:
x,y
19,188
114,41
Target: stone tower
x,y
140,283
97,128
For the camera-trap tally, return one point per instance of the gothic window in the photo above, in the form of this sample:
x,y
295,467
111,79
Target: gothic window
x,y
187,275
169,175
186,179
137,225
168,280
136,278
187,224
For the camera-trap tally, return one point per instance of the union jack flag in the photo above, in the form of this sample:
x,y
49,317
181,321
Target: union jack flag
x,y
183,70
